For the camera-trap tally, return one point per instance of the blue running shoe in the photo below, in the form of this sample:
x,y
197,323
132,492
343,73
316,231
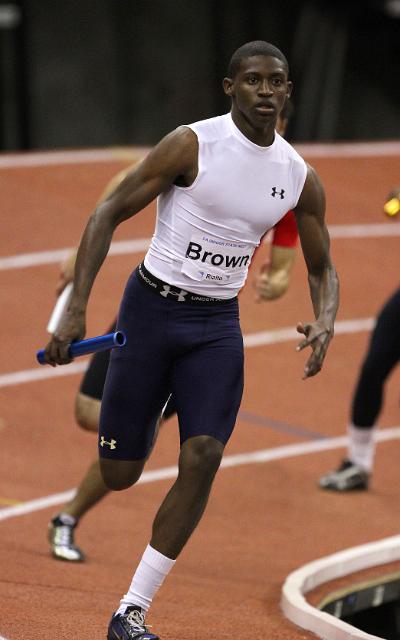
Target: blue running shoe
x,y
129,626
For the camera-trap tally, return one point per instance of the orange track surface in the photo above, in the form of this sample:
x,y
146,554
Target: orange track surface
x,y
263,520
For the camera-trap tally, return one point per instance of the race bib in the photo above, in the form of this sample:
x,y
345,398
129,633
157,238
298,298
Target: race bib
x,y
215,260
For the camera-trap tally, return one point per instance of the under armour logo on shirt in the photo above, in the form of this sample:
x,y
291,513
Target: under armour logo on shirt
x,y
179,294
275,192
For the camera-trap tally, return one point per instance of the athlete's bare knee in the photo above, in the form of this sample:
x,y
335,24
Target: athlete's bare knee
x,y
120,474
201,456
87,412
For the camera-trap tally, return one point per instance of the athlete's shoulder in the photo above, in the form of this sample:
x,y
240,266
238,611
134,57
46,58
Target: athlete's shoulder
x,y
211,129
288,150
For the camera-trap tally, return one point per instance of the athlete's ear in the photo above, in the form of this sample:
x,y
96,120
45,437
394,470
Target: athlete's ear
x,y
227,84
289,90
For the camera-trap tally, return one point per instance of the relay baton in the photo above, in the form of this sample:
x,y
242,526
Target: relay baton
x,y
60,306
90,345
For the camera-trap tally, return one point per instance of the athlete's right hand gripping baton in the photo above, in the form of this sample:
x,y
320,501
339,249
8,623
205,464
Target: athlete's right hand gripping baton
x,y
90,345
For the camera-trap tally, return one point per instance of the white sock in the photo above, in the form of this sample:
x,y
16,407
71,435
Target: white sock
x,y
147,580
361,446
67,519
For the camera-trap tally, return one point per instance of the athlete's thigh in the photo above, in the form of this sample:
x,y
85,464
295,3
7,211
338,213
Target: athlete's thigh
x,y
137,384
92,384
207,383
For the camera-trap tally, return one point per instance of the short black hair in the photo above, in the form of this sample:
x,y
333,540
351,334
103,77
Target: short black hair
x,y
254,48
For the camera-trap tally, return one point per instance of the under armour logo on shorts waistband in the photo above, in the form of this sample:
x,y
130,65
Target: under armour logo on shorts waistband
x,y
174,293
179,294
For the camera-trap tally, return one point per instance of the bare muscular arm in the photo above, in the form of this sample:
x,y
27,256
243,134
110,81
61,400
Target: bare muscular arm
x,y
173,159
322,277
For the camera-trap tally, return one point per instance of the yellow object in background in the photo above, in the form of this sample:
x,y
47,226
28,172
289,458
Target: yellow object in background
x,y
392,204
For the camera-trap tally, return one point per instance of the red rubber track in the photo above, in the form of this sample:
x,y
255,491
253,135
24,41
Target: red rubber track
x,y
263,520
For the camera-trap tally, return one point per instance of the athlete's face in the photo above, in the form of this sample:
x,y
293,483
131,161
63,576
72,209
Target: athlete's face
x,y
258,91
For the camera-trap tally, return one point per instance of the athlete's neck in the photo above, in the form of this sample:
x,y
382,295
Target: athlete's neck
x,y
263,136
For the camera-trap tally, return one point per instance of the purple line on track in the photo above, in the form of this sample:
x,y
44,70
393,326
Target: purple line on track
x,y
277,425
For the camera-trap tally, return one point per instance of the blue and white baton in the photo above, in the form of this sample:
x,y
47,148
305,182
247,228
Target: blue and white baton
x,y
90,345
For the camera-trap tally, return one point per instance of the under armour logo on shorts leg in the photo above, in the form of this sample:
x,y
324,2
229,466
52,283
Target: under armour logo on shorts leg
x,y
111,444
179,294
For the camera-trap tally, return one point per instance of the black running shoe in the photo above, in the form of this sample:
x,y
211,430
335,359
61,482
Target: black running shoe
x,y
129,626
61,538
348,477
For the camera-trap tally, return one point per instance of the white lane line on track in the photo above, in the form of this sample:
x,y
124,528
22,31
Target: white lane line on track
x,y
235,460
42,373
22,260
126,247
85,156
349,150
313,150
286,334
378,230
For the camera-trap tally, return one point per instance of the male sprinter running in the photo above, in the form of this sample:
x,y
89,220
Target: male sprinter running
x,y
270,283
221,183
383,354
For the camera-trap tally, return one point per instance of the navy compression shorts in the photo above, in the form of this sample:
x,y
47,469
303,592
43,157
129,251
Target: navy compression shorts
x,y
92,384
194,351
93,381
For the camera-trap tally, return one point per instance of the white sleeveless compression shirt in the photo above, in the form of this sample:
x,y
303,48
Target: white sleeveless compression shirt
x,y
206,233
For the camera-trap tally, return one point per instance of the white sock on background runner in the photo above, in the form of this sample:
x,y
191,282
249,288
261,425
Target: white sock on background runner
x,y
67,519
361,446
148,578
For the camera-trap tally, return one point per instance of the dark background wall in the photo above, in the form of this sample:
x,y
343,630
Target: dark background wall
x,y
81,73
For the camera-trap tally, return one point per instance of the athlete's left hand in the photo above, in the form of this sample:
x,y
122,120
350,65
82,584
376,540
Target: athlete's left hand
x,y
318,337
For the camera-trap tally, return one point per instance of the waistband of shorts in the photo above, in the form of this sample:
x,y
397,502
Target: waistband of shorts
x,y
171,292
